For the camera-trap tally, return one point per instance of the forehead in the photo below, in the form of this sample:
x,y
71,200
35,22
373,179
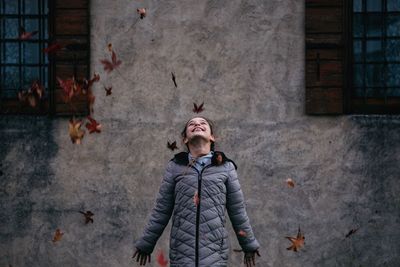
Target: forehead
x,y
197,120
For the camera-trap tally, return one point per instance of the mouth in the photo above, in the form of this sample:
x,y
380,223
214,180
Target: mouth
x,y
197,129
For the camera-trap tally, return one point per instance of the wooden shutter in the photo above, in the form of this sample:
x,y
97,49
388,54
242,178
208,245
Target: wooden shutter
x,y
70,28
325,54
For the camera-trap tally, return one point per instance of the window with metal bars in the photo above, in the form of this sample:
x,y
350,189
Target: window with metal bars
x,y
29,76
376,56
23,36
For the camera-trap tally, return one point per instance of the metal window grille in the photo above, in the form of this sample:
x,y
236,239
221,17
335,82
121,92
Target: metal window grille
x,y
376,51
23,61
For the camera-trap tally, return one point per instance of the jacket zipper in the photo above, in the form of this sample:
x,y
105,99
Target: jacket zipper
x,y
199,178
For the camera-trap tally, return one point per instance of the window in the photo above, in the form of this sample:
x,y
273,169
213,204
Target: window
x,y
28,27
352,57
376,56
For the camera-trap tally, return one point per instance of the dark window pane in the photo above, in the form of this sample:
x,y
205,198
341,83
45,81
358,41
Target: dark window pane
x,y
357,50
375,92
393,5
393,25
45,29
374,5
31,53
392,50
358,75
32,25
357,5
11,7
393,75
374,74
11,28
374,25
11,79
31,7
374,51
11,52
358,27
359,92
393,92
30,74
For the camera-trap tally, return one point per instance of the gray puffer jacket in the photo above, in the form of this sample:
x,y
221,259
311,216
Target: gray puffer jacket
x,y
197,200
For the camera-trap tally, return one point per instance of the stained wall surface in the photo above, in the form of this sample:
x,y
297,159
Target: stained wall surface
x,y
245,61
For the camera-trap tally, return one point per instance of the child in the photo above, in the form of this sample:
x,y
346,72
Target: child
x,y
196,188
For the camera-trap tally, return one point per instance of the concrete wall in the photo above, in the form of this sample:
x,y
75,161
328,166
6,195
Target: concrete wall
x,y
245,60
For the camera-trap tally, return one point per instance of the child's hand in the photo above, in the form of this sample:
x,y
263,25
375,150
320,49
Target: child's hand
x,y
141,256
249,258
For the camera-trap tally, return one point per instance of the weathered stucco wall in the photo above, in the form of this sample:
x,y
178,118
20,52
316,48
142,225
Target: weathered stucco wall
x,y
245,60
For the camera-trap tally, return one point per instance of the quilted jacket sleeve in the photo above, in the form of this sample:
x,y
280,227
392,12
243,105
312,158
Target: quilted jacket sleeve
x,y
237,212
160,214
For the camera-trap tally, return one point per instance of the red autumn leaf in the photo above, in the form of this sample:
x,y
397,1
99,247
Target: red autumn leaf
x,y
24,35
297,241
90,99
75,132
88,216
111,65
162,261
290,182
242,233
70,88
196,199
88,83
142,12
93,126
198,109
52,48
57,235
172,145
108,90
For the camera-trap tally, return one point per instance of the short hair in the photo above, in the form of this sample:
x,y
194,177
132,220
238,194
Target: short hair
x,y
183,133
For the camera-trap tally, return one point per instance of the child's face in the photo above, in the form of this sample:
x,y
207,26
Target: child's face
x,y
198,127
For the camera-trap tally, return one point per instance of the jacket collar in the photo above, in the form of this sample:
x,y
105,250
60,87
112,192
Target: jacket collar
x,y
217,159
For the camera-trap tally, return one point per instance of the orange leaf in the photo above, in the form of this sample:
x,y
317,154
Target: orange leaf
x,y
198,109
297,242
75,132
57,236
172,145
290,182
142,12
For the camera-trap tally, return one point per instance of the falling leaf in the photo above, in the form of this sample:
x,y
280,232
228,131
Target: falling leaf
x,y
162,261
219,158
142,12
172,145
297,242
52,48
111,65
352,231
88,83
24,35
90,99
32,95
290,182
198,109
88,216
108,90
109,46
93,126
242,233
174,79
70,88
196,199
57,236
75,132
